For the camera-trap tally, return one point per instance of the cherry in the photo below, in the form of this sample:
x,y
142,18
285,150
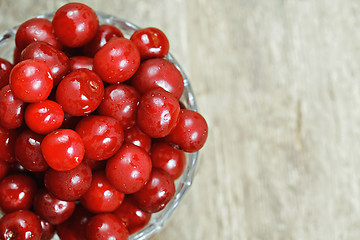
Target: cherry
x,y
28,151
70,121
157,113
170,159
106,226
129,169
75,227
102,136
131,215
16,192
4,169
117,60
35,29
120,102
63,149
158,73
56,60
80,92
7,143
80,62
137,137
190,132
51,209
151,42
48,230
16,55
103,35
156,193
20,225
5,68
31,81
44,117
11,109
69,185
75,24
101,196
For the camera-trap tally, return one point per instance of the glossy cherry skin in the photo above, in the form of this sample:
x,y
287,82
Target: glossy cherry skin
x,y
102,136
44,117
31,81
120,102
51,209
191,131
56,60
169,159
47,229
158,73
4,169
101,196
131,215
28,151
20,225
63,149
7,143
117,60
75,227
104,227
11,109
5,68
35,29
151,42
158,113
157,192
137,137
69,185
16,192
80,92
104,33
80,62
75,24
129,169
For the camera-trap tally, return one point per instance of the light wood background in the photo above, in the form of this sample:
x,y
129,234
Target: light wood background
x,y
279,83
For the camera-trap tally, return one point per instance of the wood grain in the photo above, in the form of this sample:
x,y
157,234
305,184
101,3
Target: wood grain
x,y
279,83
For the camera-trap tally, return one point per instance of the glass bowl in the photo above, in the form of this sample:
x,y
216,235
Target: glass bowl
x,y
158,220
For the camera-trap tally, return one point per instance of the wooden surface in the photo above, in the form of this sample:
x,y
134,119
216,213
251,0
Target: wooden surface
x,y
279,83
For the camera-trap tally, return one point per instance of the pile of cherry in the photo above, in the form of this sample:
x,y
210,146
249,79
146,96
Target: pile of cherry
x,y
92,133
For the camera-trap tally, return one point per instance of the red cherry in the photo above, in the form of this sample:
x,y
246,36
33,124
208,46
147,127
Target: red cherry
x,y
70,121
131,215
44,117
103,35
117,60
4,169
16,55
63,149
35,29
80,92
102,136
157,113
190,132
129,169
48,230
101,196
157,192
11,109
5,68
20,225
80,62
158,73
151,42
51,209
69,185
169,159
137,137
56,60
7,142
120,102
106,226
31,81
75,24
16,192
28,151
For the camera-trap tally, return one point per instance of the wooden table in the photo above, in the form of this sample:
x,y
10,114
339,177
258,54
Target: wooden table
x,y
279,83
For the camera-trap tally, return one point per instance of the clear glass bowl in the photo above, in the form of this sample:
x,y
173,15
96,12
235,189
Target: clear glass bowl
x,y
158,220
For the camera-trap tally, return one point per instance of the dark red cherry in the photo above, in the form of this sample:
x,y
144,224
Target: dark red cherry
x,y
48,230
5,68
4,169
7,143
137,137
80,62
95,164
104,227
11,109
